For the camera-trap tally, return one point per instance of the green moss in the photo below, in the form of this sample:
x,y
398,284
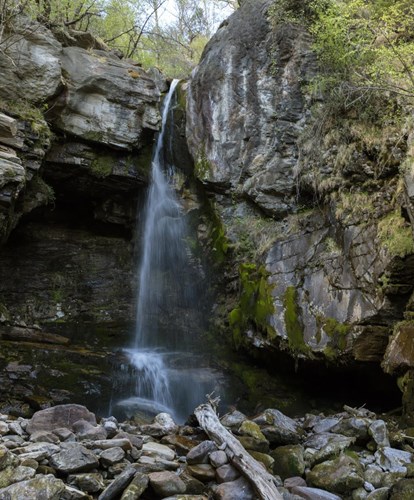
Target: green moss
x,y
293,323
102,166
395,235
255,305
337,333
202,167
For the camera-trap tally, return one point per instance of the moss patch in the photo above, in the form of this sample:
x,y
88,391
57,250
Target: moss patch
x,y
255,304
395,235
337,333
202,167
102,166
293,323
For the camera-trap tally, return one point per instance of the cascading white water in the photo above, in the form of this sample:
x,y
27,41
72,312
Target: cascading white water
x,y
164,259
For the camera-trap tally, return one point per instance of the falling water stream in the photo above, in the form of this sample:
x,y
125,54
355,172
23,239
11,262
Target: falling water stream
x,y
165,289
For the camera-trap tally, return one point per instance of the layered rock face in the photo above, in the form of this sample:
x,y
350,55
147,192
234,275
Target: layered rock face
x,y
316,214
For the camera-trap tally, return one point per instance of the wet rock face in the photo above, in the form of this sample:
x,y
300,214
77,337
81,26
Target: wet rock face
x,y
245,108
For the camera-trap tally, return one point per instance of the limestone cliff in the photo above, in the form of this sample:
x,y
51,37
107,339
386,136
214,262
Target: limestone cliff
x,y
316,213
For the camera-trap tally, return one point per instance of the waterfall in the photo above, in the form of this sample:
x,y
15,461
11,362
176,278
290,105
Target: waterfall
x,y
163,364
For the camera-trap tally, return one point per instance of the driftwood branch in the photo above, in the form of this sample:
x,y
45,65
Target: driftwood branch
x,y
262,481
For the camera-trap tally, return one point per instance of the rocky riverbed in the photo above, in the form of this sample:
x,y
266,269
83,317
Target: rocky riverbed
x,y
65,452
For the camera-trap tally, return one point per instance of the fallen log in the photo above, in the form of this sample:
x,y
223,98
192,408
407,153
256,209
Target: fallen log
x,y
262,481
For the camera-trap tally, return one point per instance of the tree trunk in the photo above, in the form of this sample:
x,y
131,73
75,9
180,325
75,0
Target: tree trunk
x,y
262,481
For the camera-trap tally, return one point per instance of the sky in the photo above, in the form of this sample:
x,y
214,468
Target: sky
x,y
168,12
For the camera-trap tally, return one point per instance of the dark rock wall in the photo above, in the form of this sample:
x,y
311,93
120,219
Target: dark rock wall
x,y
317,224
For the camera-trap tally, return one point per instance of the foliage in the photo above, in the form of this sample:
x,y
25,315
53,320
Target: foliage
x,y
255,304
396,235
133,27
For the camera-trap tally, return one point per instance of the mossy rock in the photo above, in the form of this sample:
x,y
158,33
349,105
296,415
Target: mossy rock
x,y
403,490
293,322
341,475
264,458
288,461
249,428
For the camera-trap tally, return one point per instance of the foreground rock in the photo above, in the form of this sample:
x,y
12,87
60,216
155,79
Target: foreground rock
x,y
131,464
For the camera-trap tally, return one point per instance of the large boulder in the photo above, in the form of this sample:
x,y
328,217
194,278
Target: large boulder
x,y
59,416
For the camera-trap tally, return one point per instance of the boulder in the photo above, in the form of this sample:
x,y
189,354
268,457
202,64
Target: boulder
x,y
320,447
200,453
240,489
76,458
226,473
341,475
112,456
59,416
279,428
288,461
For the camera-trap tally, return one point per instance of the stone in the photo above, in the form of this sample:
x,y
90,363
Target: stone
x,y
76,458
239,489
118,485
166,483
7,459
403,490
353,427
379,494
192,485
325,425
321,447
162,426
374,475
200,453
4,428
226,473
136,487
59,416
291,482
249,428
314,493
181,444
288,461
233,420
379,433
252,444
123,442
110,425
85,430
12,475
359,494
15,428
111,456
278,428
341,475
64,434
44,437
38,451
393,460
71,493
264,458
202,472
218,458
157,450
39,488
91,482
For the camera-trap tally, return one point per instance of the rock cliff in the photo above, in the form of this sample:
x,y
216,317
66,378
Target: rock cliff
x,y
316,215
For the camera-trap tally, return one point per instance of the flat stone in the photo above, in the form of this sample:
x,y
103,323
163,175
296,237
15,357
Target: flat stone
x,y
44,437
291,482
72,493
393,460
63,434
314,493
166,483
77,458
38,451
59,416
202,472
157,450
233,420
112,456
200,453
226,473
325,425
105,444
325,446
181,444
